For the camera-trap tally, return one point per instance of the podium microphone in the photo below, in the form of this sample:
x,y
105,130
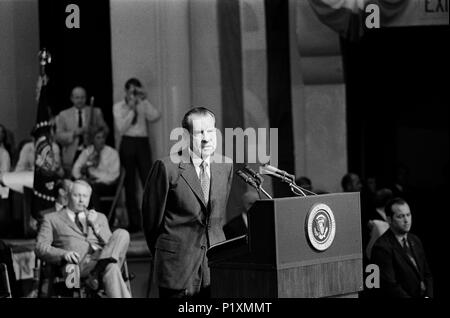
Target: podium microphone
x,y
256,176
251,181
273,170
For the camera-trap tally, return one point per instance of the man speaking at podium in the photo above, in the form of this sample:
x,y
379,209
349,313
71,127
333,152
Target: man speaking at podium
x,y
184,204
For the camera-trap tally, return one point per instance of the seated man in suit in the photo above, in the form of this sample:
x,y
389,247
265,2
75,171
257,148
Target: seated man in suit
x,y
78,236
98,164
404,270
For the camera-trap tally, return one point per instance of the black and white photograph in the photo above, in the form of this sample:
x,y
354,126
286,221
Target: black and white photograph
x,y
226,155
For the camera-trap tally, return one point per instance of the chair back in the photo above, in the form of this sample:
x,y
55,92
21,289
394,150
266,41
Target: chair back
x,y
112,211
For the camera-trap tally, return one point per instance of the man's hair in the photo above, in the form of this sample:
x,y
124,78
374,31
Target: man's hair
x,y
395,201
96,130
132,82
80,182
186,123
346,180
79,87
382,197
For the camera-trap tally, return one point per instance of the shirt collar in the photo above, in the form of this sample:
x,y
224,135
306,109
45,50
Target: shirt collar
x,y
72,214
401,237
196,160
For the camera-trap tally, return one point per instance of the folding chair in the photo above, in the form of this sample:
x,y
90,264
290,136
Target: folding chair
x,y
65,282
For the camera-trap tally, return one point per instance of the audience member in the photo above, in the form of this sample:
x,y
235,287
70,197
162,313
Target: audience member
x,y
26,160
73,124
79,236
62,187
404,270
99,165
5,156
378,222
351,183
132,116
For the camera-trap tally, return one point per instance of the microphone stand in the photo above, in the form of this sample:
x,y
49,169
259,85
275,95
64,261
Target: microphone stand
x,y
260,188
290,180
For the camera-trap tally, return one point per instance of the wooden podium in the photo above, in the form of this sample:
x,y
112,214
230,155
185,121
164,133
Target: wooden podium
x,y
290,250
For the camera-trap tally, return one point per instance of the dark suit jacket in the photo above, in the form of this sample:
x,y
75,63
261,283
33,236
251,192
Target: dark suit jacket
x,y
178,225
59,234
398,276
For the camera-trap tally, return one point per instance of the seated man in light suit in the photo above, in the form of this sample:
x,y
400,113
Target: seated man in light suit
x,y
73,124
78,236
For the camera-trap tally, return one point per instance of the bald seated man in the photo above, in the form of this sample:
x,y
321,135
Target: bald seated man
x,y
72,126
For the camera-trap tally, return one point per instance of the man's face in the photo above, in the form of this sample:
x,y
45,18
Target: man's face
x,y
78,97
79,198
132,91
203,139
356,183
99,141
401,220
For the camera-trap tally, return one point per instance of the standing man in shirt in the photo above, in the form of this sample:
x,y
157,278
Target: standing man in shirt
x,y
131,116
73,124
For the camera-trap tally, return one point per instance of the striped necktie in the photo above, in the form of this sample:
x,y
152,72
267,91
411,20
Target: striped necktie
x,y
408,251
204,181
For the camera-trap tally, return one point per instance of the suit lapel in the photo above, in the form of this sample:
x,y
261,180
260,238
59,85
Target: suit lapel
x,y
63,214
400,251
217,172
189,174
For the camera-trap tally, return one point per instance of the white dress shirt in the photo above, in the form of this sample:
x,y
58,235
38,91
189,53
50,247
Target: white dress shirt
x,y
5,160
123,117
197,161
108,168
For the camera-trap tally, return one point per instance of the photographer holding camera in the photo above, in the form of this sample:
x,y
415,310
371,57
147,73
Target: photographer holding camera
x,y
132,116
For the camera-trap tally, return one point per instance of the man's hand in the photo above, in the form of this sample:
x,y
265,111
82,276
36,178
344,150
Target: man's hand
x,y
91,216
72,257
79,131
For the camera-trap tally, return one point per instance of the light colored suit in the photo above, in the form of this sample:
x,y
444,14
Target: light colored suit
x,y
179,226
67,123
58,234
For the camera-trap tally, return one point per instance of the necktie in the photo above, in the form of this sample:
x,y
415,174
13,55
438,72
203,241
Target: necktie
x,y
408,251
78,222
80,124
204,181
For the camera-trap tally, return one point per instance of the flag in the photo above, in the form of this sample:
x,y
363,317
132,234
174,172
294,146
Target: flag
x,y
45,169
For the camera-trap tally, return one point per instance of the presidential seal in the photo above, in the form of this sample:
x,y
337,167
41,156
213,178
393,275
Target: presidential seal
x,y
320,226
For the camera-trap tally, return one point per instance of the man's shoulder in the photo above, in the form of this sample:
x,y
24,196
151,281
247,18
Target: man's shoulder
x,y
414,238
110,149
65,112
119,104
386,239
52,214
97,110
